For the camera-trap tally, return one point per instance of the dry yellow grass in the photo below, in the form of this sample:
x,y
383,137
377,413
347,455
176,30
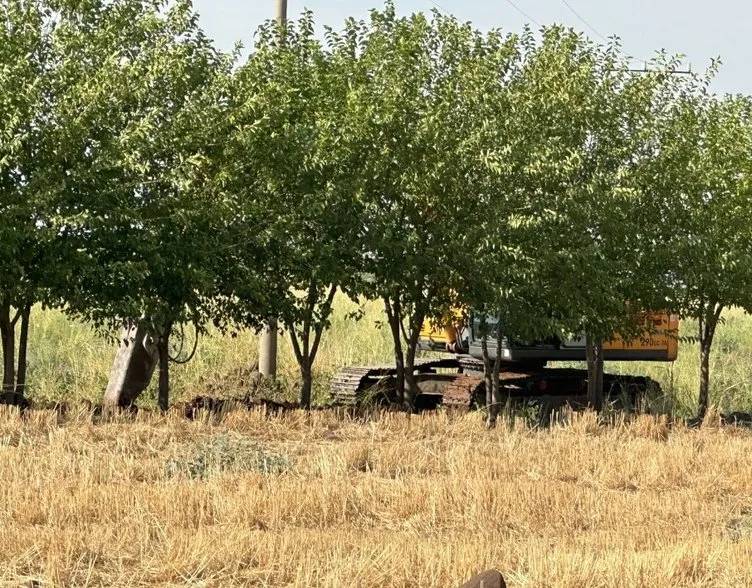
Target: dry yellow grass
x,y
391,500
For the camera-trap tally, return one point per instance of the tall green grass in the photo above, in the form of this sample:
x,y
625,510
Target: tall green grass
x,y
69,362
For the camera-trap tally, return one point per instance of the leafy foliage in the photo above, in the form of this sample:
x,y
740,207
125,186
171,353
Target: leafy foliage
x,y
533,178
146,232
290,173
701,178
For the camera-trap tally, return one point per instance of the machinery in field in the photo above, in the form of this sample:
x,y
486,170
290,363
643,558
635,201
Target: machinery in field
x,y
454,377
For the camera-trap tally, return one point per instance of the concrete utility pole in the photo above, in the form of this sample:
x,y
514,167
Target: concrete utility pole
x,y
268,339
268,350
281,11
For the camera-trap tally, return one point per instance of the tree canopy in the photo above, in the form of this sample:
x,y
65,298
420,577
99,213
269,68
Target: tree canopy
x,y
532,178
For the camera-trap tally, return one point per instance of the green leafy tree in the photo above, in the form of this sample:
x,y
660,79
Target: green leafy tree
x,y
703,198
36,48
520,231
148,235
22,89
290,166
496,266
607,281
599,118
562,245
410,125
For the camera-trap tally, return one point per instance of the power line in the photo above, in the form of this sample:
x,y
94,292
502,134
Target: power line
x,y
523,13
595,31
583,20
440,7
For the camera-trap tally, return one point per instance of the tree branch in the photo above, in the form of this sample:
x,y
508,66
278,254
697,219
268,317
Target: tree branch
x,y
320,326
14,320
308,317
295,344
497,363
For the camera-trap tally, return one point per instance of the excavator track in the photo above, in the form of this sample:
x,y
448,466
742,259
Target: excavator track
x,y
353,385
461,392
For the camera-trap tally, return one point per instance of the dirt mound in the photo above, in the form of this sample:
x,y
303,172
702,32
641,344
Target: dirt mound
x,y
217,405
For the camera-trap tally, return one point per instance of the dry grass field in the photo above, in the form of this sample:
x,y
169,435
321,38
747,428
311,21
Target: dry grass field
x,y
325,499
322,499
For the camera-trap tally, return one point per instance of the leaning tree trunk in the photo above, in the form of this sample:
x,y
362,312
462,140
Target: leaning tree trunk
x,y
133,367
23,344
594,354
8,336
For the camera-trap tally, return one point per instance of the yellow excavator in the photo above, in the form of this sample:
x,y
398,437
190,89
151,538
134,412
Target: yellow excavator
x,y
454,376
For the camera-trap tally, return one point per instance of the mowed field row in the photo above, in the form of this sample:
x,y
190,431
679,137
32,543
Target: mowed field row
x,y
320,499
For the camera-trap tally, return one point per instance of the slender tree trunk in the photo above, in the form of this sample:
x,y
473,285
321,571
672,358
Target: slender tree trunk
x,y
487,371
8,336
496,379
163,347
599,379
488,374
306,339
300,347
306,384
492,375
394,318
411,381
23,344
707,328
305,359
594,353
704,399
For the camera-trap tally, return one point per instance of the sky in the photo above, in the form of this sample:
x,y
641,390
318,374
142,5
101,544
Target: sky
x,y
698,29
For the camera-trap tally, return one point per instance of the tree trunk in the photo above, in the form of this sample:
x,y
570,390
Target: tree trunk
x,y
707,328
488,374
306,384
133,367
394,318
23,344
496,378
594,353
306,348
8,336
411,381
599,379
163,346
704,399
492,375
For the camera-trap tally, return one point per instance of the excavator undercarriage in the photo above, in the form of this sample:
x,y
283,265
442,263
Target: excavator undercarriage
x,y
458,383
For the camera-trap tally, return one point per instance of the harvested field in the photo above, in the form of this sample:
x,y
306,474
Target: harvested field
x,y
321,499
